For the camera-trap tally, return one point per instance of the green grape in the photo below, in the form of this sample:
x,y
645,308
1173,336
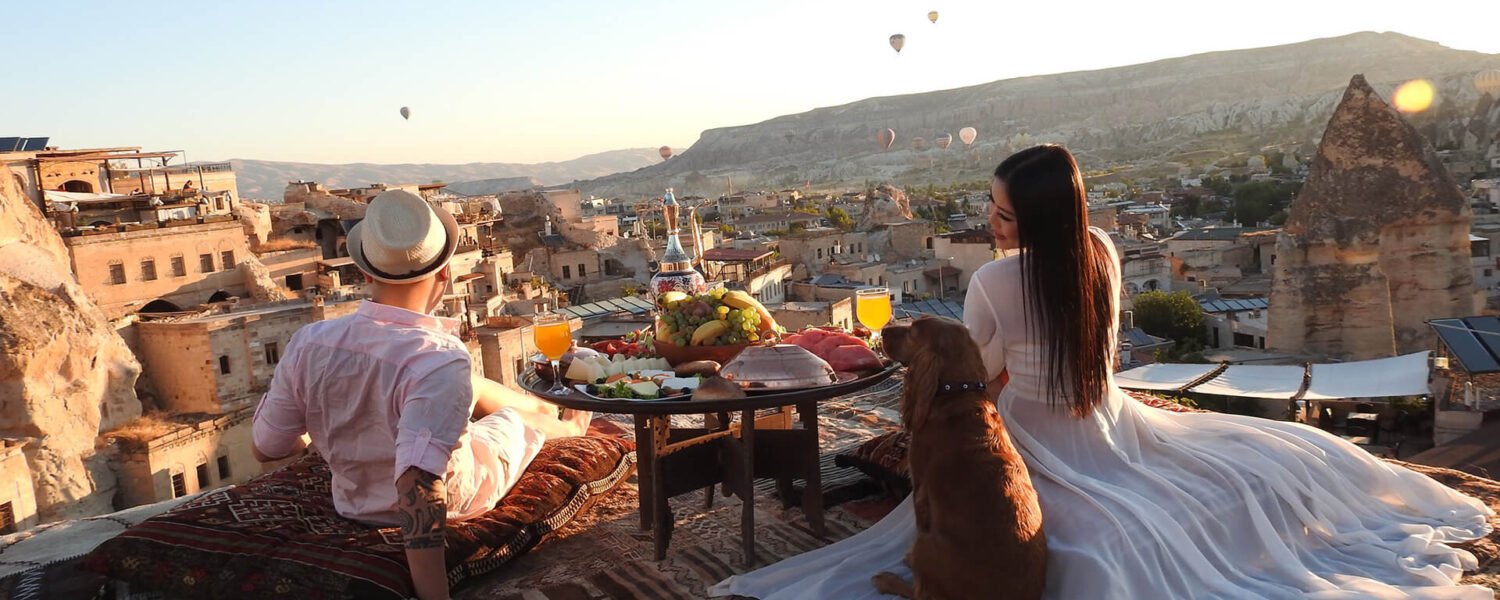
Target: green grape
x,y
747,327
752,337
736,314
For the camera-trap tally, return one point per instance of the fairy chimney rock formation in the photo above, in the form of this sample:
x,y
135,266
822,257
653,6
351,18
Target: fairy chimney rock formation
x,y
65,374
1376,243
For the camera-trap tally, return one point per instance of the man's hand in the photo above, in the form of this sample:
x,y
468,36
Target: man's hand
x,y
423,513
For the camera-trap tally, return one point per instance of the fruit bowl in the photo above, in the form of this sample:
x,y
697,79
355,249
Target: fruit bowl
x,y
679,354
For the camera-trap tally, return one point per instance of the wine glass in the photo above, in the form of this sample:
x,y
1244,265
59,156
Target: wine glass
x,y
553,337
873,308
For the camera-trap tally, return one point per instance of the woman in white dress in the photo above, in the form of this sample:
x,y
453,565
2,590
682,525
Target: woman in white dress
x,y
1141,503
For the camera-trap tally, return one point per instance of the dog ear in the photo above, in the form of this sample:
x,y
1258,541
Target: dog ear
x,y
923,372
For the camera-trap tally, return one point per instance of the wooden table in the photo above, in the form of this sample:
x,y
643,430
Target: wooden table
x,y
675,461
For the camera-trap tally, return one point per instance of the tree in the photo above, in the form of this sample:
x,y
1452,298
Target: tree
x,y
1175,316
840,218
1219,185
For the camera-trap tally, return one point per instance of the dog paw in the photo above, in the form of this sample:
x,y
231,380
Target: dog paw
x,y
892,584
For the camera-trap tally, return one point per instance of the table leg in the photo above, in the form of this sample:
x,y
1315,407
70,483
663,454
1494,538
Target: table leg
x,y
645,467
812,497
747,483
661,511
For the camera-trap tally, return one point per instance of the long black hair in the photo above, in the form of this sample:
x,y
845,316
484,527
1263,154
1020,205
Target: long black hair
x,y
1066,274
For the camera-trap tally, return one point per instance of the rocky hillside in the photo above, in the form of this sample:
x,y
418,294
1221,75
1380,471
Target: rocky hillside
x,y
65,374
265,180
1192,109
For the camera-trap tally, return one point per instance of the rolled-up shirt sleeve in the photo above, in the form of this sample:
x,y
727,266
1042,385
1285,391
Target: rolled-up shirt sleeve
x,y
281,418
433,415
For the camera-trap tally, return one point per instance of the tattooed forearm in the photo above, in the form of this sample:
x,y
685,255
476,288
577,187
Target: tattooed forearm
x,y
421,508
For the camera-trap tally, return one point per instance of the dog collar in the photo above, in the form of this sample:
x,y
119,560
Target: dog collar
x,y
964,386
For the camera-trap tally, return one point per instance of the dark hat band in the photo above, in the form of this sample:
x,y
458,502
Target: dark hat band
x,y
436,264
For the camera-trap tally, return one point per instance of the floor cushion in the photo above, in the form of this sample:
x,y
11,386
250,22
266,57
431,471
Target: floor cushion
x,y
278,536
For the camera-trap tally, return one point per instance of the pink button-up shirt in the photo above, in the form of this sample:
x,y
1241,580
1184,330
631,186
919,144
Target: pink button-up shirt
x,y
383,390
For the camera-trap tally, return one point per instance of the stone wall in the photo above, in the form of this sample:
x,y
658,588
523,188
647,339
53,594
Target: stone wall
x,y
65,374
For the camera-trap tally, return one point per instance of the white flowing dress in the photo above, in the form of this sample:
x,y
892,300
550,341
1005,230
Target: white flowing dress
x,y
1143,503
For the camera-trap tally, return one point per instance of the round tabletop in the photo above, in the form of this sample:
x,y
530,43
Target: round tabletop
x,y
577,400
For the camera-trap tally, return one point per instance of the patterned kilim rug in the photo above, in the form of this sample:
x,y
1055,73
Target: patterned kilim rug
x,y
606,555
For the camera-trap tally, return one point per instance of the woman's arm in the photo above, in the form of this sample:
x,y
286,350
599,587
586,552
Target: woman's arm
x,y
984,324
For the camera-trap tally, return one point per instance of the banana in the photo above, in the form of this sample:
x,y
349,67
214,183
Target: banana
x,y
706,332
744,301
671,298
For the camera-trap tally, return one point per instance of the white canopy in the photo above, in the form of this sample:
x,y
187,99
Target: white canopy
x,y
1162,376
1254,381
1397,376
61,196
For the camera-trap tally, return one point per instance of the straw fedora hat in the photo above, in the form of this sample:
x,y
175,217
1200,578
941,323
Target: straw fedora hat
x,y
402,239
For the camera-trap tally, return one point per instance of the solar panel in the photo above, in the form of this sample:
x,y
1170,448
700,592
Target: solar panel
x,y
1469,351
1491,337
34,144
11,144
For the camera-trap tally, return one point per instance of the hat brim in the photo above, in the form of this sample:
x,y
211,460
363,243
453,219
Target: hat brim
x,y
355,243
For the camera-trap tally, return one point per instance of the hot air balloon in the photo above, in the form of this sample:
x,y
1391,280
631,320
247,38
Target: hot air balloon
x,y
665,151
932,16
945,140
1488,82
898,42
885,138
918,144
967,135
405,113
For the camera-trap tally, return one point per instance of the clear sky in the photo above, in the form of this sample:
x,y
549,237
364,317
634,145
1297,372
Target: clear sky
x,y
543,80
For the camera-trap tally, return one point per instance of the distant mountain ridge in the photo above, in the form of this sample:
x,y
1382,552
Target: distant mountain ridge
x,y
1230,101
265,180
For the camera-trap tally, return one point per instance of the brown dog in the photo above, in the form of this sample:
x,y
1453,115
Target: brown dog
x,y
979,527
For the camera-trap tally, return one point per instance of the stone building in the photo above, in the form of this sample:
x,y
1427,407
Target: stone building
x,y
17,497
1376,243
760,272
797,315
193,453
767,223
965,251
222,360
161,269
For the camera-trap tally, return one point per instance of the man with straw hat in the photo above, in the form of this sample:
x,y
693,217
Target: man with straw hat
x,y
385,395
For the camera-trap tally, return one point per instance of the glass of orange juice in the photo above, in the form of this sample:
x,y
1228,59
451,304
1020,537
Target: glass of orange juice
x,y
553,337
873,308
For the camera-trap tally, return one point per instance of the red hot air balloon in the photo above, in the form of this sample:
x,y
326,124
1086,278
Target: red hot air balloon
x,y
967,135
885,137
665,151
945,140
